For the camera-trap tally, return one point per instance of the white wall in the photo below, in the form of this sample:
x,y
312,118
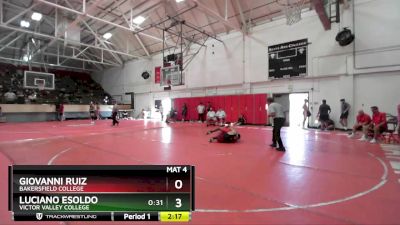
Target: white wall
x,y
240,65
377,32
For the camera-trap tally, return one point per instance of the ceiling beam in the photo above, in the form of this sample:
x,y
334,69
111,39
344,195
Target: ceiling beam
x,y
102,42
22,13
135,35
45,64
98,19
73,57
7,36
320,10
11,42
62,39
73,23
216,15
244,23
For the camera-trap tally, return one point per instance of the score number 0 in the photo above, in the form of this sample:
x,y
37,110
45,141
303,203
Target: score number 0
x,y
178,185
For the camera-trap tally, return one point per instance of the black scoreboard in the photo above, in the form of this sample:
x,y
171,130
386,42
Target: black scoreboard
x,y
288,59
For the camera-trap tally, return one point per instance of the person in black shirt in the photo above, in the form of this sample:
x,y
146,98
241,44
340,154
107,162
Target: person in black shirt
x,y
114,114
241,120
323,114
184,112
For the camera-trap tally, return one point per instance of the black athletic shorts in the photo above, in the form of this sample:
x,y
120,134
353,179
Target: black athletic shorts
x,y
344,115
324,118
92,114
381,129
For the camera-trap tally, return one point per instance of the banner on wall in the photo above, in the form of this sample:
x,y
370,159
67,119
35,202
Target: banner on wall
x,y
288,59
157,77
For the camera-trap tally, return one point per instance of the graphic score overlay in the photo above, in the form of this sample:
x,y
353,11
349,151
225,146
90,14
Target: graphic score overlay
x,y
101,193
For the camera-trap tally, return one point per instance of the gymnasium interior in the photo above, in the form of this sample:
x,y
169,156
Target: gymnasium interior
x,y
132,82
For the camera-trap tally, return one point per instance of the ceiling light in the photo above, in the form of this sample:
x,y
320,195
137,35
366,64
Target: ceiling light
x,y
139,20
107,36
36,16
24,23
26,58
179,1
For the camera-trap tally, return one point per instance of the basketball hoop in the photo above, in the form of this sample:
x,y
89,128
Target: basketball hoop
x,y
40,86
292,11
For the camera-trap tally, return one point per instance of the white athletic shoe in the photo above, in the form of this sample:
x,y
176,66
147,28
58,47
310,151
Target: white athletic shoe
x,y
373,141
350,135
363,138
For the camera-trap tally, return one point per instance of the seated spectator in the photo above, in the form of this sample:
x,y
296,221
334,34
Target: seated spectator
x,y
20,97
171,116
378,125
221,115
330,125
241,120
124,115
363,119
226,134
10,97
211,117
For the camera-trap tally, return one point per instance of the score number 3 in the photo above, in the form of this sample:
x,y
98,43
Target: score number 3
x,y
178,185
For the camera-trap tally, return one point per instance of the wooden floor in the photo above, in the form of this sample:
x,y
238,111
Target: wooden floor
x,y
322,178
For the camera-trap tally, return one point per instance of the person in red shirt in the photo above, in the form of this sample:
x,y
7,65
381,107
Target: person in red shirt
x,y
377,126
227,134
363,120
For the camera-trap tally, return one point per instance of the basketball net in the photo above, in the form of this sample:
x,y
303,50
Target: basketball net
x,y
40,86
293,11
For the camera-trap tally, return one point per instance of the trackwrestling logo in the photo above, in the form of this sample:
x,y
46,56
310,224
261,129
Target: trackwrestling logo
x,y
39,216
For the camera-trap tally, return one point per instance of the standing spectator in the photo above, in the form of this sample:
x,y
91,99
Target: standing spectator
x,y
92,112
363,120
398,119
345,108
275,110
161,110
98,116
378,125
306,111
10,97
61,112
221,115
323,114
114,114
184,112
200,112
209,107
140,115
